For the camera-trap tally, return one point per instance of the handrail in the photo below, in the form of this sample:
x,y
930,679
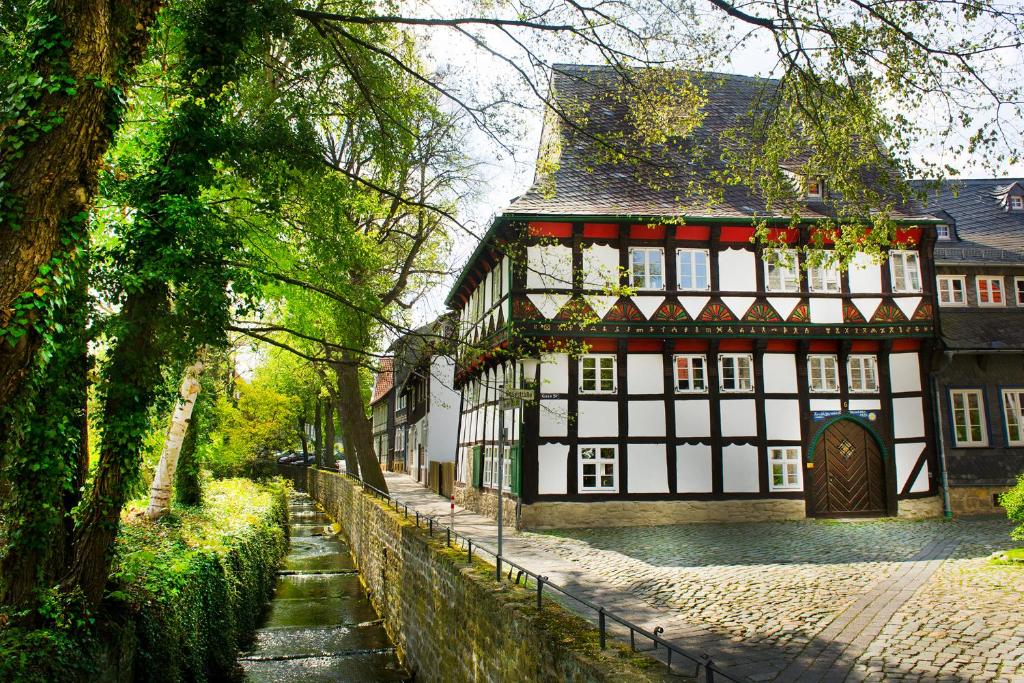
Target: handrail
x,y
702,664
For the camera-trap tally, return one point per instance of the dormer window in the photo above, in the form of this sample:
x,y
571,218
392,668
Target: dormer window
x,y
814,188
1016,203
942,231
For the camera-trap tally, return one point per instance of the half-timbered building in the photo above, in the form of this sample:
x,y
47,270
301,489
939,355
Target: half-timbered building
x,y
684,373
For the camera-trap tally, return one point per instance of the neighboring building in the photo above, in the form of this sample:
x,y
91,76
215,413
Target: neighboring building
x,y
726,387
979,263
382,405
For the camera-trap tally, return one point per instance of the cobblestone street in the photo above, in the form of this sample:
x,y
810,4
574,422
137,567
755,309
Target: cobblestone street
x,y
797,601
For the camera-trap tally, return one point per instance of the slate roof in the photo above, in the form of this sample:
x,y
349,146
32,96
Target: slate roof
x,y
974,468
984,230
982,328
384,381
420,345
585,188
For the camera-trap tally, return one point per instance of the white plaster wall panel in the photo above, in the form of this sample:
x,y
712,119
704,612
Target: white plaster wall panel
x,y
694,304
782,419
825,404
647,418
444,410
906,457
548,267
779,373
552,467
554,417
598,418
865,404
645,373
554,373
601,304
648,468
648,305
904,372
865,275
600,267
548,304
826,310
784,305
738,417
739,305
737,270
739,469
485,290
693,468
907,418
908,304
693,418
867,307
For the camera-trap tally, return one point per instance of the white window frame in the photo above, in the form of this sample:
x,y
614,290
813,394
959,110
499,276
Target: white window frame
x,y
820,194
789,275
990,279
736,358
857,366
943,232
790,460
648,252
824,279
506,464
600,458
1013,414
690,358
956,413
1018,290
691,256
597,359
909,262
1016,203
825,362
962,279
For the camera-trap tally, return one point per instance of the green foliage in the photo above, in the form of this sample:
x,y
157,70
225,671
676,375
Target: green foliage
x,y
1013,501
262,421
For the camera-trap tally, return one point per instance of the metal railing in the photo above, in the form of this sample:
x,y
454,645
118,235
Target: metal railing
x,y
674,657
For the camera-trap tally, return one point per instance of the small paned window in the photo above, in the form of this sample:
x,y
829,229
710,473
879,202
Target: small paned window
x,y
599,468
905,268
782,271
862,373
1018,286
784,465
823,373
1017,203
735,372
990,291
968,417
647,268
693,269
1013,410
942,232
488,465
597,374
691,374
952,290
813,188
506,469
824,278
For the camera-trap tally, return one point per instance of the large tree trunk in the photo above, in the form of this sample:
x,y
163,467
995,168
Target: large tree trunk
x,y
355,424
188,489
329,434
163,480
303,437
52,178
317,433
351,462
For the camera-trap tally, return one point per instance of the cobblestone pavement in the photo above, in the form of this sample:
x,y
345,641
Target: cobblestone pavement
x,y
798,601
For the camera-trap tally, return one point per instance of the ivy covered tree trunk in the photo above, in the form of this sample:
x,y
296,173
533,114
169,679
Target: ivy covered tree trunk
x,y
163,480
188,489
356,425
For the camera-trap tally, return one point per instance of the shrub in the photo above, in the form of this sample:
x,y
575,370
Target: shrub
x,y
1013,501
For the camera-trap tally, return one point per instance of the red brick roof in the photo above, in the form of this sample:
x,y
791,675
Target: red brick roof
x,y
384,382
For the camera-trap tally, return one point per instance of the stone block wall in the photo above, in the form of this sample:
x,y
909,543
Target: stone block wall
x,y
654,512
975,500
920,508
485,502
451,621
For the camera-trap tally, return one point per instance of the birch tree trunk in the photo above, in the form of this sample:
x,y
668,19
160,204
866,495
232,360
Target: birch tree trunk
x,y
163,481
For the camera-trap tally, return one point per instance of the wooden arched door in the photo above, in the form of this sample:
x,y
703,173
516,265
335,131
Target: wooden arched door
x,y
849,474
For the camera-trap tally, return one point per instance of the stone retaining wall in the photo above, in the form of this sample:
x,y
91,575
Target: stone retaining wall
x,y
451,621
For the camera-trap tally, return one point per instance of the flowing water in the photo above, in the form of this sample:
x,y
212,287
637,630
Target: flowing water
x,y
320,625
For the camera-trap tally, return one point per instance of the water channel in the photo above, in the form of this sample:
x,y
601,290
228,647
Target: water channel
x,y
320,625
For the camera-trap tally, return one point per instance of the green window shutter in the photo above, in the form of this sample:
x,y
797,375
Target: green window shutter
x,y
478,466
517,469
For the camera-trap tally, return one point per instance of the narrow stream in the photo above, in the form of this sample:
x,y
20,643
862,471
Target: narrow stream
x,y
320,625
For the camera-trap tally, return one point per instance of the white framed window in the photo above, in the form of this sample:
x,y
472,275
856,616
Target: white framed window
x,y
490,474
784,468
597,373
990,290
646,267
692,269
952,290
736,372
814,188
401,402
1017,203
967,406
1013,411
691,373
782,271
599,469
506,469
823,373
905,269
942,231
1018,288
862,373
824,278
